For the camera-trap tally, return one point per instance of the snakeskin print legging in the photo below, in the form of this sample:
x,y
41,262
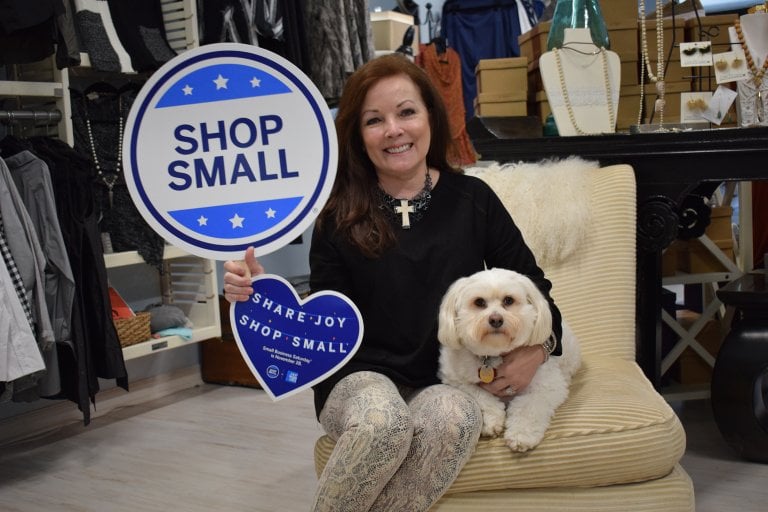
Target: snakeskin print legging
x,y
397,448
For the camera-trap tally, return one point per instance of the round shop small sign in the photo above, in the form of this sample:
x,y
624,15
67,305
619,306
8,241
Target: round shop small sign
x,y
229,146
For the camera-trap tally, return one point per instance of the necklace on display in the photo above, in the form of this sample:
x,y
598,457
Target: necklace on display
x,y
566,96
757,74
646,65
109,180
407,209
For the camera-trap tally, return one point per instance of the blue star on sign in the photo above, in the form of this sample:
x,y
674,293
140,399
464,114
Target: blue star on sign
x,y
221,82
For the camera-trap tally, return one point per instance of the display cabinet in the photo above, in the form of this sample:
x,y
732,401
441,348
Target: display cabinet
x,y
185,281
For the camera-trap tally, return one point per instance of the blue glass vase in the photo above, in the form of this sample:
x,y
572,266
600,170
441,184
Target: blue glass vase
x,y
578,14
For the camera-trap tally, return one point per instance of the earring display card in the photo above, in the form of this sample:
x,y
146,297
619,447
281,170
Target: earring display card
x,y
730,66
696,54
719,104
693,106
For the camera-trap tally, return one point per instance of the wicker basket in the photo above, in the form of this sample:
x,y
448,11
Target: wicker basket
x,y
134,329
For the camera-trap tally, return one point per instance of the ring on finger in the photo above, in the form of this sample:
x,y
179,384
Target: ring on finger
x,y
510,391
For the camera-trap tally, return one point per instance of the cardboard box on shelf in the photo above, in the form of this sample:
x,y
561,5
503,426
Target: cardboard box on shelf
x,y
711,28
720,223
534,42
697,258
500,76
509,104
539,106
388,29
629,103
629,107
670,257
693,368
630,72
623,38
617,11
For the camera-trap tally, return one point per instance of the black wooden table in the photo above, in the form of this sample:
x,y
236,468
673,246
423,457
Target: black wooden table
x,y
674,172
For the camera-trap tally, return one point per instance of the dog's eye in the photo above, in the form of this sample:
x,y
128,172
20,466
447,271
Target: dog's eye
x,y
508,301
480,302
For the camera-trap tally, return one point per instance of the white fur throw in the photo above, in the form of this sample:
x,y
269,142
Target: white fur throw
x,y
549,202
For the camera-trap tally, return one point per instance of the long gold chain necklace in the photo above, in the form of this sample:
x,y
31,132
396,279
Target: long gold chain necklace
x,y
658,78
567,99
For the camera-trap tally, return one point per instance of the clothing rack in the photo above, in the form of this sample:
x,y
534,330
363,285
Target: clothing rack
x,y
41,116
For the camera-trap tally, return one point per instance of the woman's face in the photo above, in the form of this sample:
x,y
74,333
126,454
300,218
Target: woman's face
x,y
395,127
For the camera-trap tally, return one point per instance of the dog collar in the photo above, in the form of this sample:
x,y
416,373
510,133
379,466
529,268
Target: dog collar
x,y
486,373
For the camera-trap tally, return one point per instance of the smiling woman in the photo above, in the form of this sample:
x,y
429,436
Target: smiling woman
x,y
400,226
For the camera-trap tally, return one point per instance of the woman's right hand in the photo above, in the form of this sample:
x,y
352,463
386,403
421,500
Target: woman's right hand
x,y
237,278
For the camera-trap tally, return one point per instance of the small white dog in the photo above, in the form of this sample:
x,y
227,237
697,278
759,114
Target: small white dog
x,y
489,314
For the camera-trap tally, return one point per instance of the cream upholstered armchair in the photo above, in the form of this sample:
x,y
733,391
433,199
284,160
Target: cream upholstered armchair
x,y
615,444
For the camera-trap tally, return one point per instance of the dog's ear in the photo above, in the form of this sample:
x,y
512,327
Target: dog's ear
x,y
542,327
446,328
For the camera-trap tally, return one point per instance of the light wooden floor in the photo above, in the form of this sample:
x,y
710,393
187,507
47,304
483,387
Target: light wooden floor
x,y
219,448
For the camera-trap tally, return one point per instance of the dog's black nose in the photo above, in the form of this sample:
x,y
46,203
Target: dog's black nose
x,y
496,321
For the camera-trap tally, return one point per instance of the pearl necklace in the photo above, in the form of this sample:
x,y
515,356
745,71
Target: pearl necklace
x,y
645,63
757,74
109,180
567,99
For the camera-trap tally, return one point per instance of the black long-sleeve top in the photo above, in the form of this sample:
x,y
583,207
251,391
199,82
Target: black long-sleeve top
x,y
465,229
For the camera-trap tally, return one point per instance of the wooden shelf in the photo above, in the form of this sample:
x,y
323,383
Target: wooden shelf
x,y
122,259
32,89
154,346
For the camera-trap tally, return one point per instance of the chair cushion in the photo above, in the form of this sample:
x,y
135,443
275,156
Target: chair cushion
x,y
671,493
613,429
594,286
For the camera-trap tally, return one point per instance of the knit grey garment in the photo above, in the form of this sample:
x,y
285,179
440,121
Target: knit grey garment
x,y
156,44
93,37
340,40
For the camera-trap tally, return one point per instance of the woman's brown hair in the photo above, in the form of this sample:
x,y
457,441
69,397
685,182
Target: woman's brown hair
x,y
353,205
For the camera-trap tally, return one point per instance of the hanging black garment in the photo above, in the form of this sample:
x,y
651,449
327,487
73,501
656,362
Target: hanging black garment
x,y
27,29
102,350
97,352
103,105
409,7
277,26
139,26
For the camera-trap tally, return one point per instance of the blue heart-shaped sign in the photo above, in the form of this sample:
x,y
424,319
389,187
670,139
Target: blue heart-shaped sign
x,y
291,344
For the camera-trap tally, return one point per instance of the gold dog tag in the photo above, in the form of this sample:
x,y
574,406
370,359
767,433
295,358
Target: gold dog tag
x,y
486,373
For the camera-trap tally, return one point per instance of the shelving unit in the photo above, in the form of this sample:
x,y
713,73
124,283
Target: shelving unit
x,y
187,282
41,87
713,309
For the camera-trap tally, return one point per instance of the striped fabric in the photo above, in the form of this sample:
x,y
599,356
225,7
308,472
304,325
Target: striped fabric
x,y
614,428
615,444
672,493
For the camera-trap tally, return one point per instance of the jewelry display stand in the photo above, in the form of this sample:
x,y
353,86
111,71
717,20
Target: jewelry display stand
x,y
582,85
752,104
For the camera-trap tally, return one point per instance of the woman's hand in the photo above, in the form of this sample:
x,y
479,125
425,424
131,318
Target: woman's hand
x,y
516,371
237,278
